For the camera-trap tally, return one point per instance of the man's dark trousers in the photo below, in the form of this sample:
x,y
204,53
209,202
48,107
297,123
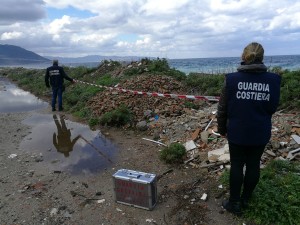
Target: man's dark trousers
x,y
57,94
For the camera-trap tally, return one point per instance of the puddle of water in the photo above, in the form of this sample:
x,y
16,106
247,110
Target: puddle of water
x,y
68,146
14,99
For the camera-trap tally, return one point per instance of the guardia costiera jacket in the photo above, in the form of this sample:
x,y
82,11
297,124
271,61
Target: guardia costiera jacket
x,y
56,74
249,99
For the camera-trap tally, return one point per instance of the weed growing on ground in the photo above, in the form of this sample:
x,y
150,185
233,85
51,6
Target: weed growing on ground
x,y
173,154
93,122
276,199
191,105
117,117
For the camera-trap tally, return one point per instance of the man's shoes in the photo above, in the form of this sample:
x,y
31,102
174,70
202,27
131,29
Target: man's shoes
x,y
53,109
233,207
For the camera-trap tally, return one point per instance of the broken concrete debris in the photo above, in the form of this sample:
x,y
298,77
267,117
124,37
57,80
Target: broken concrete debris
x,y
296,138
204,197
11,156
169,120
221,154
189,145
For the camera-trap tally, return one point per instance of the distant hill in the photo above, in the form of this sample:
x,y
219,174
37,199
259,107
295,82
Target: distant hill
x,y
14,55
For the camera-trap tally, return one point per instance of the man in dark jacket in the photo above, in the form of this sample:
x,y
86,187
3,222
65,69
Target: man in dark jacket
x,y
56,74
249,99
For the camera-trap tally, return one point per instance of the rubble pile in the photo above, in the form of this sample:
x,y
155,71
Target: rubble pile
x,y
284,143
112,67
118,69
170,120
144,107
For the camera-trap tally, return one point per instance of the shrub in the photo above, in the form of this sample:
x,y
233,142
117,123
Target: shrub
x,y
173,154
278,70
107,80
191,105
93,122
290,89
131,72
158,65
206,84
178,75
117,117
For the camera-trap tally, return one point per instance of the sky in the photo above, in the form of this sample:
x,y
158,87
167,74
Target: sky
x,y
150,28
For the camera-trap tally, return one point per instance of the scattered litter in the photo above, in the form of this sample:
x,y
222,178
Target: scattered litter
x,y
271,153
204,136
221,154
296,138
283,143
189,145
53,211
157,142
101,201
11,156
67,215
215,133
150,221
204,197
220,186
195,134
208,124
293,153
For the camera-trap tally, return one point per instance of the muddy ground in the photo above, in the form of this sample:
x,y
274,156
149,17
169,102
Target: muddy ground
x,y
30,193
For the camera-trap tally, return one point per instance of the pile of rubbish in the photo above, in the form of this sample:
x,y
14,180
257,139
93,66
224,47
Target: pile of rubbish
x,y
144,107
169,120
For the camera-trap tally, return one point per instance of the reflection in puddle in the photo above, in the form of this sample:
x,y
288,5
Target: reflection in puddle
x,y
14,99
62,140
68,146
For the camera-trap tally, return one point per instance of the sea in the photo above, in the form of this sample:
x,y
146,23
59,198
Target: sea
x,y
202,65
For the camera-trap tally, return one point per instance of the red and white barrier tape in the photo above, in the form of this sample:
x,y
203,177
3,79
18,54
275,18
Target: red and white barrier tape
x,y
155,94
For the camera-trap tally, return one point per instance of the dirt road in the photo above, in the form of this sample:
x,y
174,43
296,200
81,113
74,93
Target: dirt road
x,y
31,193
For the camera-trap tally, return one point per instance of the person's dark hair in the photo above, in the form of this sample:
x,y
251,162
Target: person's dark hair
x,y
55,62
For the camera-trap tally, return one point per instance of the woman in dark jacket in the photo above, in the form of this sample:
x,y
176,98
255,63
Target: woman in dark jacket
x,y
249,99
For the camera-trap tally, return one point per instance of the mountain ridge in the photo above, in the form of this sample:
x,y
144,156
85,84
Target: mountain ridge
x,y
11,55
15,55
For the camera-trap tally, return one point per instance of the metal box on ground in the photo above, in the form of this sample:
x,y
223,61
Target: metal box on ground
x,y
135,188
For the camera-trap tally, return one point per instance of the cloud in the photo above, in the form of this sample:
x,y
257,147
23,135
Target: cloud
x,y
12,11
10,35
169,28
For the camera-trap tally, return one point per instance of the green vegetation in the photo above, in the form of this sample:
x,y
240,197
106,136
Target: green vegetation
x,y
173,154
118,117
29,79
157,66
276,199
77,97
191,105
290,89
205,84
